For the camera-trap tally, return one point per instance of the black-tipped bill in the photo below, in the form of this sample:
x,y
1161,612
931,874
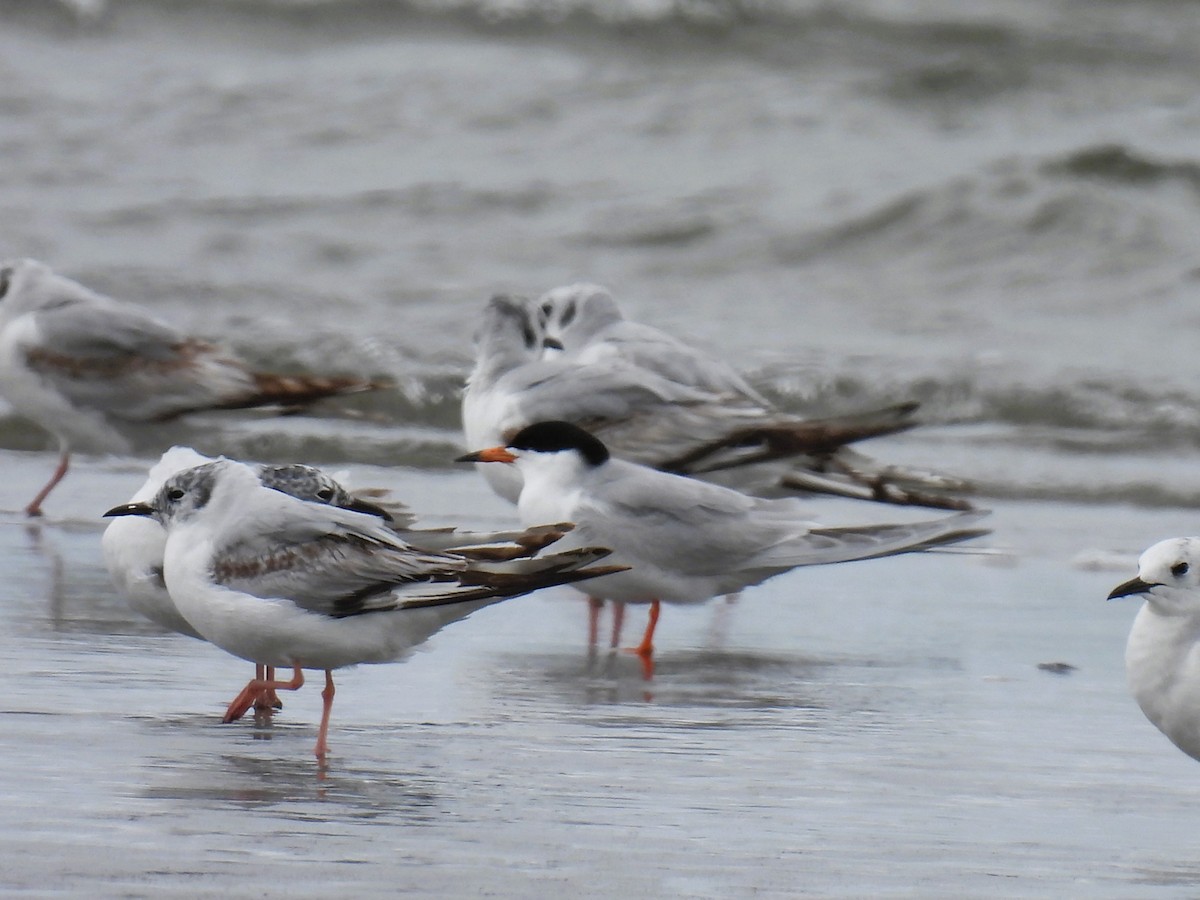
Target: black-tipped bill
x,y
130,509
491,454
1130,588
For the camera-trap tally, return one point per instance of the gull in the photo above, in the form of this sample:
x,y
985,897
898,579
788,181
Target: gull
x,y
650,416
586,324
1162,657
90,369
285,582
134,546
684,540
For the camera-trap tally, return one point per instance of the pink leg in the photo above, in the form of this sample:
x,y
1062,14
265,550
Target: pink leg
x,y
595,604
252,691
618,623
322,747
35,505
268,701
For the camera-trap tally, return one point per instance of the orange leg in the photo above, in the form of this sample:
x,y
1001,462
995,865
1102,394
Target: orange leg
x,y
618,622
595,604
35,505
252,691
322,747
645,649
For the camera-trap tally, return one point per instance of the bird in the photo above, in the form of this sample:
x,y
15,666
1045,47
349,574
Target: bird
x,y
285,582
93,371
684,540
646,416
585,322
654,400
134,546
1162,656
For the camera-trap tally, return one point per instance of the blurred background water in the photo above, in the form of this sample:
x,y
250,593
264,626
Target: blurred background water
x,y
987,206
990,206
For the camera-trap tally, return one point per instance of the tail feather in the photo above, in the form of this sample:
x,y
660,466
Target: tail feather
x,y
844,544
297,390
795,437
479,583
490,546
849,473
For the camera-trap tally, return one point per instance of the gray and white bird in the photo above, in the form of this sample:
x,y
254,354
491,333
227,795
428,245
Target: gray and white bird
x,y
1162,656
782,451
92,370
704,424
285,582
685,540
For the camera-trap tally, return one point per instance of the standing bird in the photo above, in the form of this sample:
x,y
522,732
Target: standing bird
x,y
91,370
285,582
684,540
134,546
1162,657
654,400
651,416
587,325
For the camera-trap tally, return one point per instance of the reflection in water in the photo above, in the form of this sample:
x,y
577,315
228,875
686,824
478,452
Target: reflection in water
x,y
80,598
709,678
217,782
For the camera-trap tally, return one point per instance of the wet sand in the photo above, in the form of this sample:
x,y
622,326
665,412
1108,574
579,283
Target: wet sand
x,y
875,729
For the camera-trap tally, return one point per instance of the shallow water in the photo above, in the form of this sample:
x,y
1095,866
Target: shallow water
x,y
986,206
876,729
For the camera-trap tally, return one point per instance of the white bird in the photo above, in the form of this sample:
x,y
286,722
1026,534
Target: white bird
x,y
650,416
94,371
654,400
684,540
134,546
585,322
285,582
1162,657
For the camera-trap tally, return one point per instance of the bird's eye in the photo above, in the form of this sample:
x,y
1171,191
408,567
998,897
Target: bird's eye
x,y
1179,569
325,493
175,494
5,280
547,309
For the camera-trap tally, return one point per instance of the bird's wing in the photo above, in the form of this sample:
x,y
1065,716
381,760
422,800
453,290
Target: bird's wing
x,y
692,525
334,574
654,350
120,361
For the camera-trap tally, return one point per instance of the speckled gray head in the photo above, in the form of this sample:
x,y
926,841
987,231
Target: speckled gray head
x,y
181,495
311,484
25,285
508,324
